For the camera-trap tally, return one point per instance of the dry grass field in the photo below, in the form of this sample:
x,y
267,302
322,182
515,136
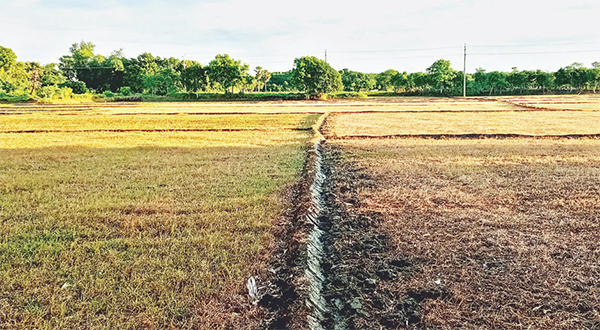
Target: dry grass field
x,y
522,123
130,230
500,234
557,102
105,122
491,233
154,216
390,104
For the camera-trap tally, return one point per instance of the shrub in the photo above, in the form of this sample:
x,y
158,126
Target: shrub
x,y
78,87
125,91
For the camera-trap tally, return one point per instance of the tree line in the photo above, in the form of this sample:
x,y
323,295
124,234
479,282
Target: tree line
x,y
84,71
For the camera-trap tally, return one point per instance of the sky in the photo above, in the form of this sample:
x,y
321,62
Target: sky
x,y
365,36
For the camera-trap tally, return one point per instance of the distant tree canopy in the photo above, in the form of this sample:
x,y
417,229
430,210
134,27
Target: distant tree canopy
x,y
194,77
96,71
83,70
281,82
357,81
227,72
262,77
315,76
384,79
441,75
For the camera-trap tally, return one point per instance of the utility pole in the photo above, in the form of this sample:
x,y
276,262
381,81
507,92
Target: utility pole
x,y
325,55
465,73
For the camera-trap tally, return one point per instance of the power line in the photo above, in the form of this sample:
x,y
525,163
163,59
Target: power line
x,y
391,51
401,58
535,45
537,53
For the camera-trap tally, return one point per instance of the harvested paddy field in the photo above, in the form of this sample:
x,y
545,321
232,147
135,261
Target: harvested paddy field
x,y
153,229
407,213
491,233
452,222
536,123
390,104
556,102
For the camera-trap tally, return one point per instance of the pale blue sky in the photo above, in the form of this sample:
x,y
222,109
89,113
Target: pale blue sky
x,y
367,36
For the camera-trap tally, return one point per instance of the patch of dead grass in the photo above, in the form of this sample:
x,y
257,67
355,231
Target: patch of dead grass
x,y
525,123
140,230
507,228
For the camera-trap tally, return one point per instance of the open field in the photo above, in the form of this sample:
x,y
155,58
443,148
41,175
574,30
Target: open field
x,y
388,104
557,102
86,122
105,230
154,215
476,233
491,233
523,123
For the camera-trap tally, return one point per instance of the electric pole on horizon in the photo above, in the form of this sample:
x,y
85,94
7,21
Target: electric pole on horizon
x,y
325,55
465,72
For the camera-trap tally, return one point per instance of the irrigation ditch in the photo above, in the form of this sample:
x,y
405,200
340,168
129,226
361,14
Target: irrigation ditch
x,y
334,264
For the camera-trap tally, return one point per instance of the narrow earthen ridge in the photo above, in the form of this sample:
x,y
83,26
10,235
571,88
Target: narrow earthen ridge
x,y
315,249
292,296
315,253
466,136
150,130
319,242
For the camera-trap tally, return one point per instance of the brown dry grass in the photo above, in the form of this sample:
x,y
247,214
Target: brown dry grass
x,y
51,121
508,229
141,230
526,123
557,102
356,105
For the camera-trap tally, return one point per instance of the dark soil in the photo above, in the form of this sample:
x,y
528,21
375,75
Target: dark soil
x,y
284,296
361,266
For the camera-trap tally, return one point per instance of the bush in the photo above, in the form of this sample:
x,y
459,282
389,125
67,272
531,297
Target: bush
x,y
14,98
109,94
125,91
78,87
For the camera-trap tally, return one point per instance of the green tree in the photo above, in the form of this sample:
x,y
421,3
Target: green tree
x,y
543,80
496,81
7,58
136,69
315,76
96,71
384,79
163,83
194,77
78,87
227,72
441,75
262,77
518,80
400,82
51,76
356,81
281,81
35,71
248,83
14,78
573,76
